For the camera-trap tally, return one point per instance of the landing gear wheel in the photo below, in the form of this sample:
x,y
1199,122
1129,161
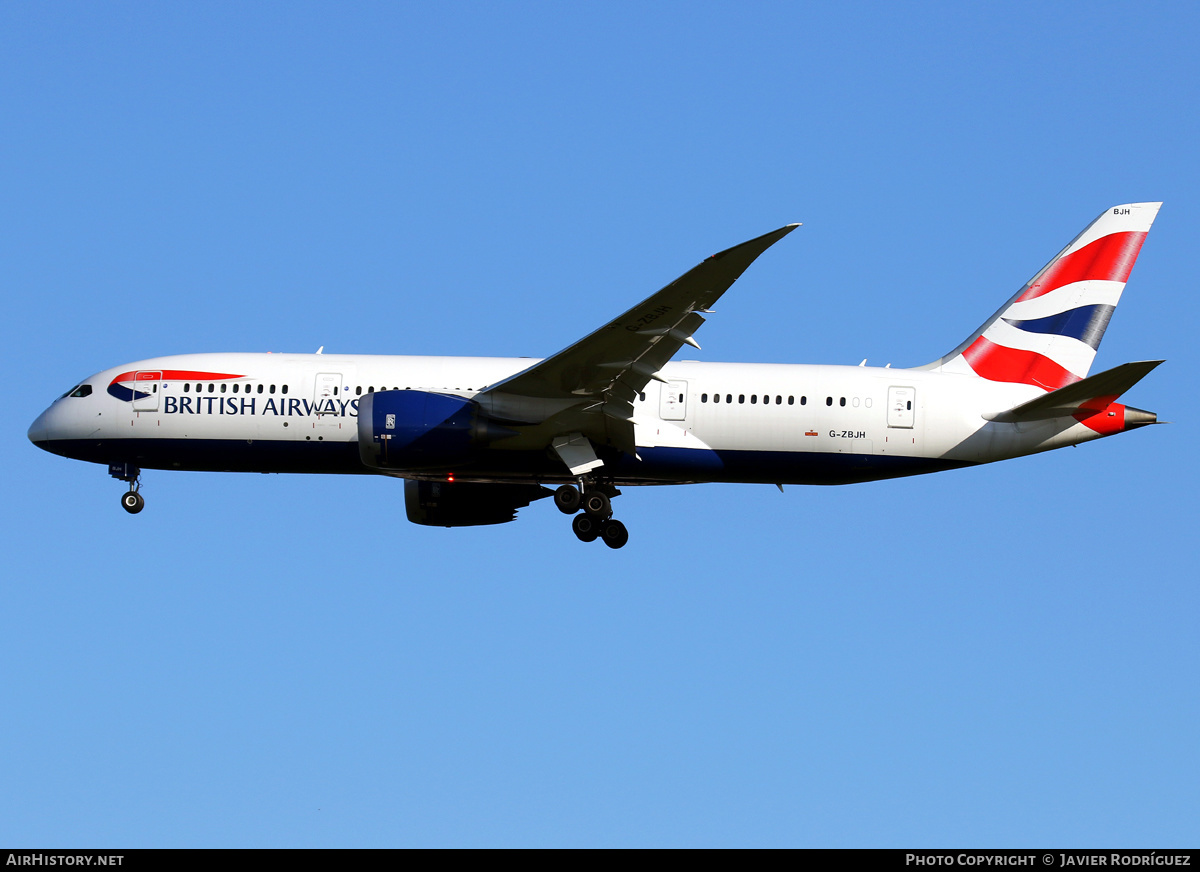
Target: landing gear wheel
x,y
586,528
597,504
613,533
567,499
132,502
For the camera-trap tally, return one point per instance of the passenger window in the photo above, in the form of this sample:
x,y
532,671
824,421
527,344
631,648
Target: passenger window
x,y
829,401
842,401
272,388
741,398
357,390
729,398
804,401
223,387
791,401
235,388
212,387
753,398
285,389
260,389
187,387
371,389
910,405
778,400
716,398
704,398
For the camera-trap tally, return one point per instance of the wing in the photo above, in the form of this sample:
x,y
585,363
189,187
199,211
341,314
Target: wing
x,y
590,386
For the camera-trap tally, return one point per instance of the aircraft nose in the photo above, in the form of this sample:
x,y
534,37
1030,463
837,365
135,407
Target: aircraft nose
x,y
39,431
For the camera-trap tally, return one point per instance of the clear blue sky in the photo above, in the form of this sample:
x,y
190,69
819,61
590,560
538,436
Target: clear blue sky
x,y
990,657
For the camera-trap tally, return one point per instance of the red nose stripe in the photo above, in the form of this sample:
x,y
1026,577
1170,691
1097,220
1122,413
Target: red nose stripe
x,y
178,375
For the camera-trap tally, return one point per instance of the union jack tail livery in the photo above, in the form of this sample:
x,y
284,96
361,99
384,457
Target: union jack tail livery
x,y
1048,333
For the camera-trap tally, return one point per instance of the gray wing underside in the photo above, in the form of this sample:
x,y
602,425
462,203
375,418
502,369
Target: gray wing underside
x,y
590,386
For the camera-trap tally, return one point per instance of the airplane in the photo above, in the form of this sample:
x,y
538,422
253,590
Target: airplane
x,y
475,439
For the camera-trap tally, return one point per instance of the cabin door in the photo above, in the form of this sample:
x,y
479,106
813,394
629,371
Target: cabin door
x,y
902,402
328,402
146,388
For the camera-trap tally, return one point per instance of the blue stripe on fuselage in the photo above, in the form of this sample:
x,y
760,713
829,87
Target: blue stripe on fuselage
x,y
658,465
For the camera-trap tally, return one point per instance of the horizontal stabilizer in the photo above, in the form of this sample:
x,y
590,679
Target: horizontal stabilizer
x,y
1094,392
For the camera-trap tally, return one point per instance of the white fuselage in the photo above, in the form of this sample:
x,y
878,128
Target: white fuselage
x,y
777,423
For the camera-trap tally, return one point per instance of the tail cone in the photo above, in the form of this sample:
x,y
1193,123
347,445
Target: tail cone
x,y
1135,418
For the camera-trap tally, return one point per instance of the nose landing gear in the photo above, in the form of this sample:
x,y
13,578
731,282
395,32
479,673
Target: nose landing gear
x,y
596,520
131,501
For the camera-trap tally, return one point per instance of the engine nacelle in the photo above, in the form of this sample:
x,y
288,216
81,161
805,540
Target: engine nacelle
x,y
467,504
421,430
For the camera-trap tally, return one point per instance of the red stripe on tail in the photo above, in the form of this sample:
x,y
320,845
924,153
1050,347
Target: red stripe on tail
x,y
1001,363
1110,258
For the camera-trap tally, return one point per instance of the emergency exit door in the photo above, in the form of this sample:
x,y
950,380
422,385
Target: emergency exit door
x,y
902,403
672,403
327,387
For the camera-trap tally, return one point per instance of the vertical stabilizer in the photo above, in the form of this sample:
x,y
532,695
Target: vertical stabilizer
x,y
1048,333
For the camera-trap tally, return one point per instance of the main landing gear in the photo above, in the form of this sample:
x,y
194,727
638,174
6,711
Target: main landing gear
x,y
596,520
131,500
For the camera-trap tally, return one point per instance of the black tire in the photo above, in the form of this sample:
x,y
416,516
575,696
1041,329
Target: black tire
x,y
586,527
132,502
596,504
567,498
614,533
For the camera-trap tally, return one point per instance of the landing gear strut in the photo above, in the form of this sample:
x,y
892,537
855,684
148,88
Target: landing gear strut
x,y
131,500
596,520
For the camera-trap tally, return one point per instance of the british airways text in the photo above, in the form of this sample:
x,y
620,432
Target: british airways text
x,y
289,407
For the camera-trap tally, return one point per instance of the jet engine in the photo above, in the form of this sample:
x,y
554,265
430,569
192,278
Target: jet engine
x,y
422,430
467,504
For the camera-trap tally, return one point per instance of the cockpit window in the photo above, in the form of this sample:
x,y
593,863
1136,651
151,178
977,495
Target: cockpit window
x,y
78,391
